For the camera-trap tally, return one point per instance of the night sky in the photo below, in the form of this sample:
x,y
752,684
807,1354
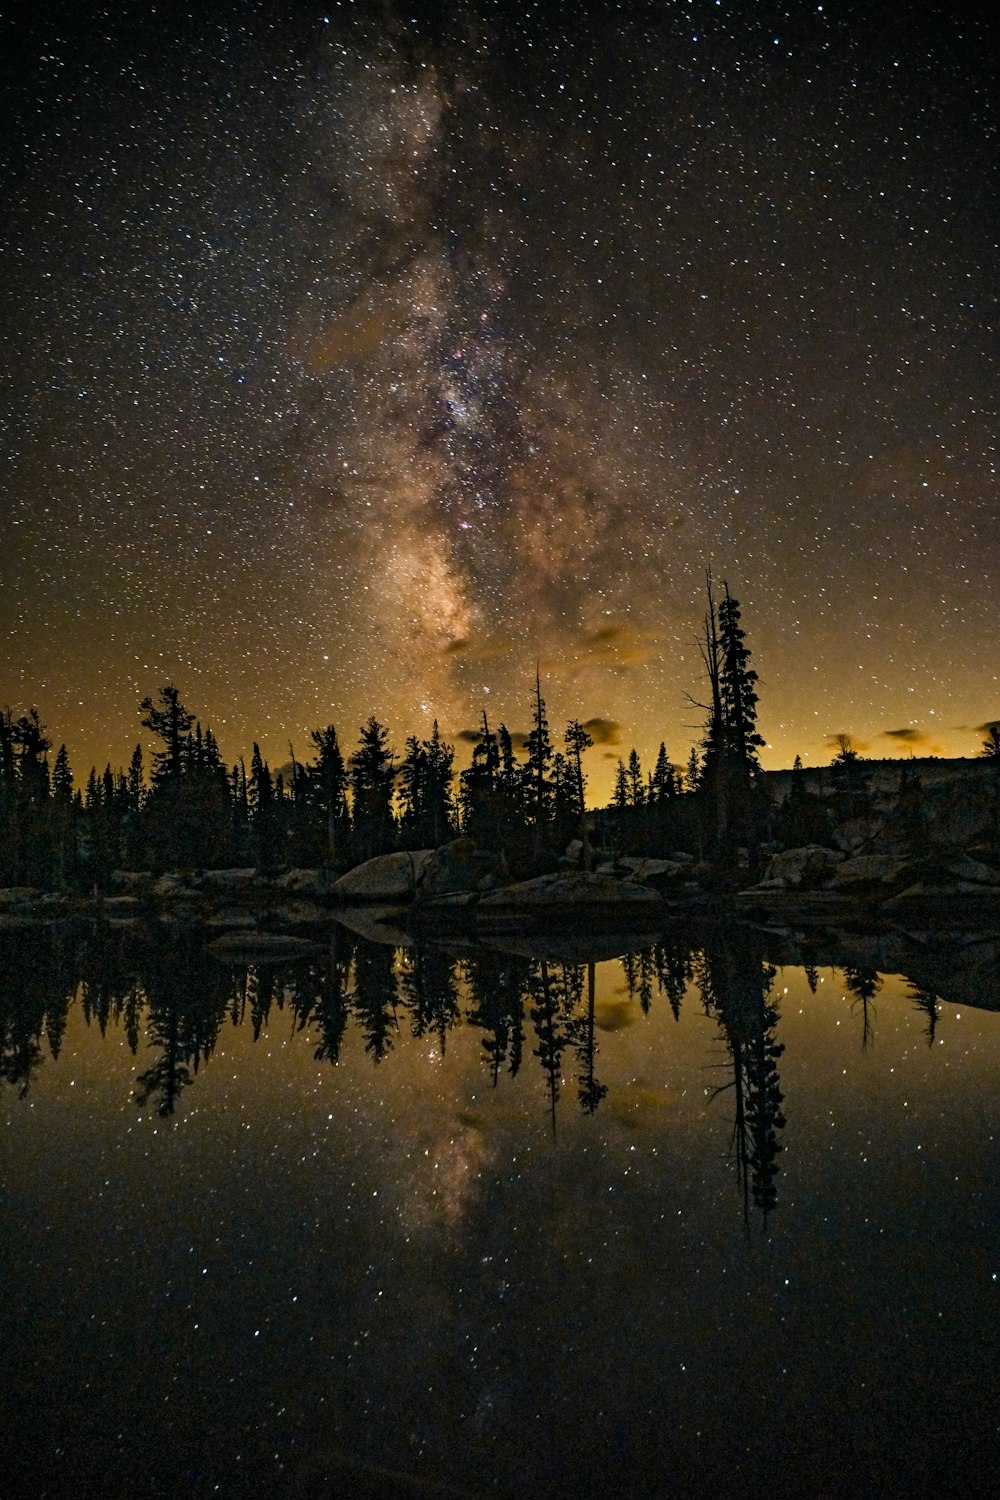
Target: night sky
x,y
356,358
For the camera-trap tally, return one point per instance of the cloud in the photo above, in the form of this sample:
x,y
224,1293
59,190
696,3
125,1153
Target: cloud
x,y
619,645
907,736
471,649
988,727
518,737
604,731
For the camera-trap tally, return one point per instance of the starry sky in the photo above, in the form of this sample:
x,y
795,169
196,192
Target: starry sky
x,y
359,357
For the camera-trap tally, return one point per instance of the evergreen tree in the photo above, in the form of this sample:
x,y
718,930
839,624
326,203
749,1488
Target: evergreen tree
x,y
372,776
170,721
64,810
428,807
136,780
538,787
577,740
731,739
478,789
693,775
662,781
636,790
739,690
326,792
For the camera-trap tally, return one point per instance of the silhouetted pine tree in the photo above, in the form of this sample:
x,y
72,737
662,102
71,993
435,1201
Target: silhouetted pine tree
x,y
537,783
372,776
326,793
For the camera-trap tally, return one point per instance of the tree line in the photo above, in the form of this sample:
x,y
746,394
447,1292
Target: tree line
x,y
190,809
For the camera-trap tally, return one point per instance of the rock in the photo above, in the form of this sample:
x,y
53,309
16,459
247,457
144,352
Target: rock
x,y
132,882
171,887
18,895
856,832
460,866
801,869
975,872
121,906
387,877
230,880
568,889
657,872
869,869
259,945
376,923
231,918
312,883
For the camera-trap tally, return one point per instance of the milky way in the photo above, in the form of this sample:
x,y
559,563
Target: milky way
x,y
359,360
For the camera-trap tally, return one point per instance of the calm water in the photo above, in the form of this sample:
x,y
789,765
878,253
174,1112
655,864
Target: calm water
x,y
690,1220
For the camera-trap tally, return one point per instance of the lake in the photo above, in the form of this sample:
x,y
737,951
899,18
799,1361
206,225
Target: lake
x,y
699,1213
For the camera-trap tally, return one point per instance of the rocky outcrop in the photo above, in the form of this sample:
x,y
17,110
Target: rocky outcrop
x,y
387,877
461,867
862,871
312,884
259,945
801,869
568,890
659,874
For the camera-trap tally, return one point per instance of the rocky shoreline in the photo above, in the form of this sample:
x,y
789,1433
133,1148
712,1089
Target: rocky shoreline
x,y
462,887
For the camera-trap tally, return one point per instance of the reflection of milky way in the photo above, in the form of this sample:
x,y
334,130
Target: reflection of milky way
x,y
358,363
447,1175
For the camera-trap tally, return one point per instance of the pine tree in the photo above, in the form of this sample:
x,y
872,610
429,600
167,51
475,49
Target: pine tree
x,y
326,790
372,776
62,778
662,782
693,775
440,798
577,740
731,740
478,788
171,722
136,779
636,790
739,690
261,804
538,788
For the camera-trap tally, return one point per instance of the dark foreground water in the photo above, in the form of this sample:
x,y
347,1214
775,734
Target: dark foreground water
x,y
691,1220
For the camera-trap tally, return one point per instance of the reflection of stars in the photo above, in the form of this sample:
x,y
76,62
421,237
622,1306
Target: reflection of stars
x,y
446,1177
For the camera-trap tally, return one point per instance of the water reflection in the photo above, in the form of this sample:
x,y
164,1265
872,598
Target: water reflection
x,y
171,998
736,982
308,1227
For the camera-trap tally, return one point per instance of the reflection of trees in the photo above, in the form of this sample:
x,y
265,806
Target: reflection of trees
x,y
927,1002
673,967
188,998
110,989
428,986
498,985
582,1033
553,995
639,971
36,984
736,985
318,992
375,997
864,984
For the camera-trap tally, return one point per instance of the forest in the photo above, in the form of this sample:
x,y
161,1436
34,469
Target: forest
x,y
189,809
